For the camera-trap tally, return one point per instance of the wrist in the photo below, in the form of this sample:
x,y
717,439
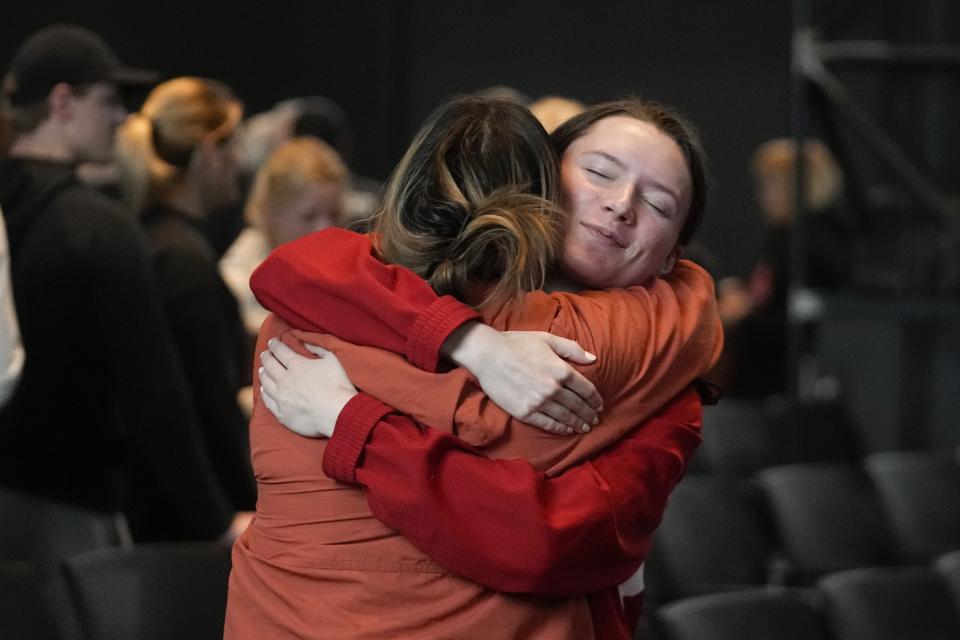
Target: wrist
x,y
468,344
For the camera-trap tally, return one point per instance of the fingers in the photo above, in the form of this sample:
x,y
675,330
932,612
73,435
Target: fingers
x,y
281,351
267,383
564,416
314,349
570,350
270,403
271,365
577,406
548,424
577,383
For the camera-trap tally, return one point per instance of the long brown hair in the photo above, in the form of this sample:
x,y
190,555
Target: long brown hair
x,y
474,201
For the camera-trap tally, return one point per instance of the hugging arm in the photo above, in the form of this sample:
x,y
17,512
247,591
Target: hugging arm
x,y
332,282
504,524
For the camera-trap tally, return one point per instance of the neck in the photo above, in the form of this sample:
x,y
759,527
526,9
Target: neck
x,y
43,143
186,199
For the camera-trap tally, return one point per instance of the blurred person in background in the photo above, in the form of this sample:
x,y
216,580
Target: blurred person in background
x,y
755,312
177,164
102,388
298,190
316,117
11,347
553,111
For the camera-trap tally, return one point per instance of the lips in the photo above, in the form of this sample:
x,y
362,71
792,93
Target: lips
x,y
605,235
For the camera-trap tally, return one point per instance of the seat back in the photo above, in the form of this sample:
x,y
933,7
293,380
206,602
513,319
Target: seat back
x,y
24,611
736,440
150,592
45,531
948,566
889,603
828,517
812,431
756,614
920,493
712,538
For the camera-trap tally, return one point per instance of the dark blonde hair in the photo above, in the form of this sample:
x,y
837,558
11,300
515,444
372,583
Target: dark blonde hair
x,y
293,166
671,123
155,146
474,201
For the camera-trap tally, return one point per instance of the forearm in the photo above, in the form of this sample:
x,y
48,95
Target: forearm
x,y
332,282
502,523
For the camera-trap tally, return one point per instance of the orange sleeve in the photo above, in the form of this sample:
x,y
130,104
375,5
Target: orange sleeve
x,y
651,342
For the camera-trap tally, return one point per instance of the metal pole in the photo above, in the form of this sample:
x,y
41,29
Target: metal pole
x,y
797,347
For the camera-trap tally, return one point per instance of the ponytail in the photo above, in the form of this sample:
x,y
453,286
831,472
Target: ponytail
x,y
143,175
509,243
471,207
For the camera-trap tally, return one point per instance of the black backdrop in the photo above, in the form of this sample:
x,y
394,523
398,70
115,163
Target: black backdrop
x,y
726,64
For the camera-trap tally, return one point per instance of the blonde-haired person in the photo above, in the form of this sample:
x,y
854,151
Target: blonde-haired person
x,y
177,165
298,190
553,111
754,311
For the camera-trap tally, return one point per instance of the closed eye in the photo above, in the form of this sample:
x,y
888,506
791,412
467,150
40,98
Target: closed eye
x,y
658,208
598,173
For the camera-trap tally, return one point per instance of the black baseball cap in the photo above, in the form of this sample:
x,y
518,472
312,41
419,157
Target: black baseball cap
x,y
71,54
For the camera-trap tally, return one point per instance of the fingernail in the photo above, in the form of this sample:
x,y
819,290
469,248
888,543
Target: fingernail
x,y
595,421
271,341
585,428
260,372
569,429
590,356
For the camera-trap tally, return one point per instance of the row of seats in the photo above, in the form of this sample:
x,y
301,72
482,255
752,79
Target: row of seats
x,y
741,437
791,524
900,603
147,592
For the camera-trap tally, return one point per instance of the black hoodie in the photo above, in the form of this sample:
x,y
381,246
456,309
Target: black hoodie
x,y
102,385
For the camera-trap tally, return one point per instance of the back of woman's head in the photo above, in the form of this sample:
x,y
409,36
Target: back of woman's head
x,y
473,201
667,120
156,145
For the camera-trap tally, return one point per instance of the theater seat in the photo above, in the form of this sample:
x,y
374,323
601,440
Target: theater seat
x,y
828,517
920,493
889,603
152,592
24,610
756,614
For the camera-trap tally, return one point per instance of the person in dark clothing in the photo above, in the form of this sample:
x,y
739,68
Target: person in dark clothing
x,y
176,165
102,385
754,363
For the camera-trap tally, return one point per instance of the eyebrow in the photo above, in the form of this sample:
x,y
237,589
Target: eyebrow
x,y
617,161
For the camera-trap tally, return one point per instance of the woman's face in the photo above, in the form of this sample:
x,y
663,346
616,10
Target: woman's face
x,y
316,207
627,189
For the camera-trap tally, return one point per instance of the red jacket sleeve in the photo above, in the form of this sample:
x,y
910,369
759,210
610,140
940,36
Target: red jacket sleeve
x,y
377,305
501,522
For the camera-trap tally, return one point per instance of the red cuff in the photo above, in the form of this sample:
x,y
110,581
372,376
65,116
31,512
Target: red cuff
x,y
354,424
433,327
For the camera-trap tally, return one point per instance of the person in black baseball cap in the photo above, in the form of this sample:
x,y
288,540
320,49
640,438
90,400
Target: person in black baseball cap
x,y
63,90
105,397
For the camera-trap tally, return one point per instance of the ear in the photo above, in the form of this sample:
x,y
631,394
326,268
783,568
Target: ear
x,y
671,260
60,101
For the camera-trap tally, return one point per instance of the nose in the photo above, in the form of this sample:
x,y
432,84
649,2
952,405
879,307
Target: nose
x,y
620,204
